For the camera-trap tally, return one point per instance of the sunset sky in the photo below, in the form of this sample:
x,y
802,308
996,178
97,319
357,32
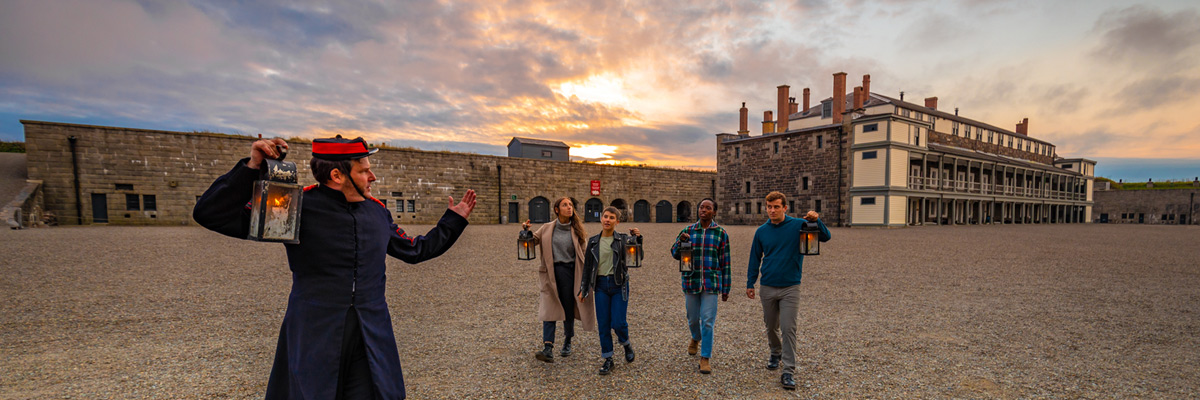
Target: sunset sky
x,y
620,81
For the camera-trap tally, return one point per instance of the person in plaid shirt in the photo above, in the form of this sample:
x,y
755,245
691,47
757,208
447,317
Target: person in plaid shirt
x,y
710,276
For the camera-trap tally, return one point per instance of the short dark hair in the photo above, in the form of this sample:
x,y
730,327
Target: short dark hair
x,y
708,200
322,168
613,210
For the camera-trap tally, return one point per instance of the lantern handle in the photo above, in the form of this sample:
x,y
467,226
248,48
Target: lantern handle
x,y
282,152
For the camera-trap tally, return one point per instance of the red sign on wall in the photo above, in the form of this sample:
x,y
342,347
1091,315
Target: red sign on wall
x,y
595,188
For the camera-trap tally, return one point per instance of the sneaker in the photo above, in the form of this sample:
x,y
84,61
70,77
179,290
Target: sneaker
x,y
547,353
693,347
607,367
705,366
787,382
629,353
773,362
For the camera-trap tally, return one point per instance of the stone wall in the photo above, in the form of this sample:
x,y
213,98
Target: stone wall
x,y
1179,206
971,143
753,159
176,167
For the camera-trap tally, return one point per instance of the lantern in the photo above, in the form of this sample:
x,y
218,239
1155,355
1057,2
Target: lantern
x,y
525,245
686,263
633,252
809,244
275,207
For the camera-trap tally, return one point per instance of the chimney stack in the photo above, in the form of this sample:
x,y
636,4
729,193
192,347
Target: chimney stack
x,y
931,102
839,96
805,99
901,95
858,97
782,124
1023,127
792,106
768,123
743,120
866,88
956,111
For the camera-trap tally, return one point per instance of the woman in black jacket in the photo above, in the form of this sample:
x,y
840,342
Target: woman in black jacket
x,y
606,273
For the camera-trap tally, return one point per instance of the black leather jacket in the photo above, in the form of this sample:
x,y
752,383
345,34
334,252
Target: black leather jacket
x,y
591,262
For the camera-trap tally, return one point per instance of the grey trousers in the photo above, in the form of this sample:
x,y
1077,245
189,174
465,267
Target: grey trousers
x,y
780,306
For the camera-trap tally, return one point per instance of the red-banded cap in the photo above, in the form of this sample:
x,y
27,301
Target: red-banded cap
x,y
338,149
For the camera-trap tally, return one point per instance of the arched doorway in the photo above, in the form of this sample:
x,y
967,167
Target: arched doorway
x,y
592,209
641,211
620,204
662,211
683,211
539,210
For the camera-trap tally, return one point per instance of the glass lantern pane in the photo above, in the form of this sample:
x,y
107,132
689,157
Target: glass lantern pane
x,y
281,212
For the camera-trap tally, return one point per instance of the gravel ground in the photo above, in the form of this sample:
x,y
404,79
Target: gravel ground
x,y
1078,311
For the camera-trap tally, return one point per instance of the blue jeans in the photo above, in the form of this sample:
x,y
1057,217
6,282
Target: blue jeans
x,y
611,307
702,316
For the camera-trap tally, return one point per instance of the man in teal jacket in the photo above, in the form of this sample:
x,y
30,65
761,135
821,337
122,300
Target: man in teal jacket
x,y
775,254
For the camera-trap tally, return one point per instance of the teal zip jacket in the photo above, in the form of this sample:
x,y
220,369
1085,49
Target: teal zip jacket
x,y
776,252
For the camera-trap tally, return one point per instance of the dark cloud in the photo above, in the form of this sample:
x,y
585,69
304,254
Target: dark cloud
x,y
1142,34
1155,91
298,23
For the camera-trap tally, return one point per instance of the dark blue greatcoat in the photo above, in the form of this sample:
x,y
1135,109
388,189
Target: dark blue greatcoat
x,y
339,264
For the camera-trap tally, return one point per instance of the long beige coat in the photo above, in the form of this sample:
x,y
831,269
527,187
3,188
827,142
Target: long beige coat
x,y
549,308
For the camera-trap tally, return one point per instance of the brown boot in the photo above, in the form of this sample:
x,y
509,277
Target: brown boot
x,y
705,367
693,347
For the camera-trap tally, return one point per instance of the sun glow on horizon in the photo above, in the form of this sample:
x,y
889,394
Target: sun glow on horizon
x,y
593,151
604,89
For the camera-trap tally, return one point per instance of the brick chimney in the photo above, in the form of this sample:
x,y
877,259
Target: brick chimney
x,y
839,96
782,124
768,123
1023,127
866,88
743,120
792,106
805,99
931,102
858,97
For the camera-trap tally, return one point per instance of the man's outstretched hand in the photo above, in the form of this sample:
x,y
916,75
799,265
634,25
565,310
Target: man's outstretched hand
x,y
465,206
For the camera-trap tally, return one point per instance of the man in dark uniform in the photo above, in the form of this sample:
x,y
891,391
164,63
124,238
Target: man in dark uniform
x,y
336,341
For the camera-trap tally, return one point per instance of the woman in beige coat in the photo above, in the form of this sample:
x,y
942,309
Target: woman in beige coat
x,y
559,278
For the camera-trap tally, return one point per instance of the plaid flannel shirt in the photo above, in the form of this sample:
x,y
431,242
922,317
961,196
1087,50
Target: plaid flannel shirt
x,y
710,250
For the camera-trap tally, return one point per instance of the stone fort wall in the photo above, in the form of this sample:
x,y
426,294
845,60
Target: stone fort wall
x,y
133,170
1159,206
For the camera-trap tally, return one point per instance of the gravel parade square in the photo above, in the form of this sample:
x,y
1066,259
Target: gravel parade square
x,y
1013,311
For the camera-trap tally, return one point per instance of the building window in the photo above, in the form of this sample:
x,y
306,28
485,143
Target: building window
x,y
820,141
917,138
149,202
124,186
737,152
399,205
758,207
818,207
776,147
870,128
131,202
906,113
792,206
867,155
747,187
967,131
979,135
804,180
866,201
826,110
736,207
1010,141
547,154
990,137
1067,166
747,207
1124,216
955,128
412,206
